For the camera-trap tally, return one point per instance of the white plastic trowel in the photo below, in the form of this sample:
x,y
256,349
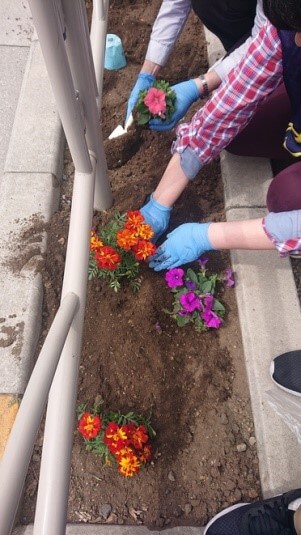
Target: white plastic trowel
x,y
120,130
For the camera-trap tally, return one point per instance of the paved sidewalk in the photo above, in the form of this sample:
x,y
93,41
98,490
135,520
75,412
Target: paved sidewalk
x,y
30,171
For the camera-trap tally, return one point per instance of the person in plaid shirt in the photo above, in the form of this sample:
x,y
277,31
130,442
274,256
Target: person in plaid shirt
x,y
274,55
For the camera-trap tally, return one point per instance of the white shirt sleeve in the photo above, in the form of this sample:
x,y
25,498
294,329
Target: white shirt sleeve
x,y
224,66
167,28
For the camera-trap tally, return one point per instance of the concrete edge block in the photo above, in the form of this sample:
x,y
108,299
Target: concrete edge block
x,y
265,292
37,137
246,180
98,529
19,334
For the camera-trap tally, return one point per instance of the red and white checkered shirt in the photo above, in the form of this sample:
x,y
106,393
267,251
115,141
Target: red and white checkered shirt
x,y
234,103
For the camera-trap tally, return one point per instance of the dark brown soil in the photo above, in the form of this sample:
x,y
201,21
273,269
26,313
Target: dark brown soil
x,y
194,384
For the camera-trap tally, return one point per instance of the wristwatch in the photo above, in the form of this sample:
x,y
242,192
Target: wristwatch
x,y
205,88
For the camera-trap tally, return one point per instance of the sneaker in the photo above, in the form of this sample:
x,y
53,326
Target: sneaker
x,y
274,516
285,371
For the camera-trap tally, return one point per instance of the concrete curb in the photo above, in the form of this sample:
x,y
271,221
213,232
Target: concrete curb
x,y
29,194
96,529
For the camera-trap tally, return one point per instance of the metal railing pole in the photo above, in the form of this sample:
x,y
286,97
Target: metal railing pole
x,y
83,74
51,510
18,451
98,41
50,30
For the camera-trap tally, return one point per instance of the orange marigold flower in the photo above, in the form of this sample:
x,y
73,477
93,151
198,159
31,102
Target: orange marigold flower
x,y
139,437
134,220
145,232
143,249
126,239
107,258
124,451
129,465
115,437
146,453
89,426
95,242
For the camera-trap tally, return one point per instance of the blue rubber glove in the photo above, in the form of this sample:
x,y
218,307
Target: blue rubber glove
x,y
157,216
144,81
186,243
186,93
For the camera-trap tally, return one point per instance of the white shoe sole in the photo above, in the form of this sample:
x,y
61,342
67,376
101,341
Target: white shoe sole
x,y
293,392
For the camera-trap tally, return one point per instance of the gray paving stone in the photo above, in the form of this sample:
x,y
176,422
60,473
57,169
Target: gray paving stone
x,y
270,319
82,529
16,27
24,199
246,180
12,67
36,141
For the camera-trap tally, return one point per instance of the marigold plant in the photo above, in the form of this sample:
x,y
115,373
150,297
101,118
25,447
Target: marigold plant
x,y
116,252
157,102
194,296
119,439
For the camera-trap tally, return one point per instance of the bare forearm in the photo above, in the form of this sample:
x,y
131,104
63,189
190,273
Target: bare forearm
x,y
150,67
247,234
172,183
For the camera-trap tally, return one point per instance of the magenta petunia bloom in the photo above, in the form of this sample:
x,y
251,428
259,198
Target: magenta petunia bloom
x,y
211,319
190,301
229,278
208,301
155,101
174,277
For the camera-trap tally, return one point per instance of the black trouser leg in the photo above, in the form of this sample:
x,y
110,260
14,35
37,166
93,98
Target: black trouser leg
x,y
230,20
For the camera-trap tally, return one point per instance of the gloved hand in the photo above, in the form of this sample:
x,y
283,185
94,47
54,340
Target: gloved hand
x,y
186,93
157,216
144,81
186,243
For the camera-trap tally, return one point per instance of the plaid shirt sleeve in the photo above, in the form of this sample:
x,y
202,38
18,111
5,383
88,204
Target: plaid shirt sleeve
x,y
286,247
233,104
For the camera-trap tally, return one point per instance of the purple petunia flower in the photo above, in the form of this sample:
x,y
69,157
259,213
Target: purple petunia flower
x,y
202,262
211,319
190,301
174,277
191,285
229,278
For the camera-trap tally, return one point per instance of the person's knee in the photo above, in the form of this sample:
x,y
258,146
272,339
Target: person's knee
x,y
284,193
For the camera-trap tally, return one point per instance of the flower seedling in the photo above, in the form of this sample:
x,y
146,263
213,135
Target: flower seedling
x,y
158,102
194,296
116,252
119,439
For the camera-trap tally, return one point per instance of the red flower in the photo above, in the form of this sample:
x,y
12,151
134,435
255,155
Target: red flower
x,y
115,437
134,220
129,465
155,101
137,435
107,258
143,249
89,426
126,239
146,453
